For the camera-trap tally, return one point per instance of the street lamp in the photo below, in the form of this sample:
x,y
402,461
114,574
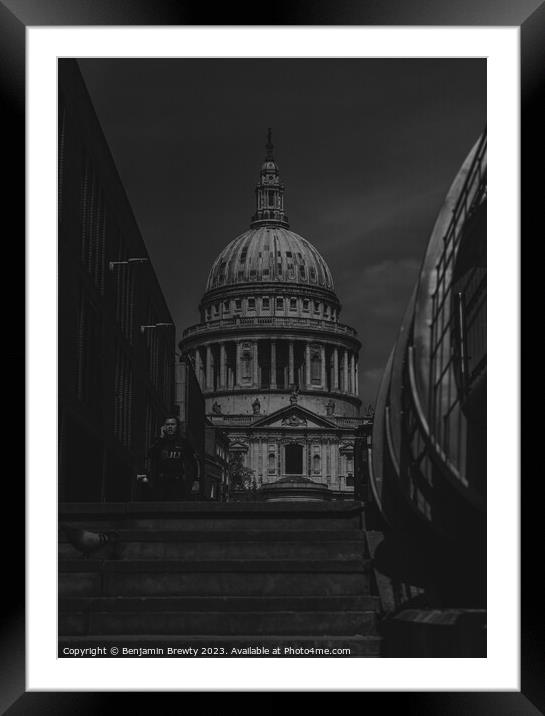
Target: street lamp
x,y
154,325
111,264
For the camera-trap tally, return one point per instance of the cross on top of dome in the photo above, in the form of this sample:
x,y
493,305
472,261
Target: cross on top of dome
x,y
269,146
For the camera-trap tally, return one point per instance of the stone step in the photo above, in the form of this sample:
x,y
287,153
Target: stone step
x,y
247,535
208,516
228,577
172,545
231,565
207,523
241,646
202,623
219,603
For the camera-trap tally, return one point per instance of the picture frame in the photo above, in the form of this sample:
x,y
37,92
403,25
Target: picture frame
x,y
532,25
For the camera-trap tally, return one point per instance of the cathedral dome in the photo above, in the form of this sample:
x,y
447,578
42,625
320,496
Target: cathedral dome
x,y
270,253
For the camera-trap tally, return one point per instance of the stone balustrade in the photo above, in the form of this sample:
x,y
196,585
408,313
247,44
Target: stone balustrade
x,y
269,322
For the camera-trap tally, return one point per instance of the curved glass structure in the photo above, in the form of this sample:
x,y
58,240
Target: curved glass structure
x,y
428,455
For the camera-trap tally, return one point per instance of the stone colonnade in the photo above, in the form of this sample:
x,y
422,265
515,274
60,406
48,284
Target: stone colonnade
x,y
276,364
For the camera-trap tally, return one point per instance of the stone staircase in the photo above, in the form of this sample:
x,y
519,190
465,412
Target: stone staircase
x,y
232,575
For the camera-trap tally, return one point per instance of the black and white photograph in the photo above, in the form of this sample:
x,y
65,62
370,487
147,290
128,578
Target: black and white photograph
x,y
272,357
271,348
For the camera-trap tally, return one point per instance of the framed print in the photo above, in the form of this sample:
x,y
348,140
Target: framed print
x,y
226,475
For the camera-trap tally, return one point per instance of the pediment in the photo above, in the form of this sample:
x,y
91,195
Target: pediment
x,y
238,446
294,416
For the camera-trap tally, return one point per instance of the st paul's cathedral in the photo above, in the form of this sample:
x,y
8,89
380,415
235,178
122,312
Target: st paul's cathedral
x,y
278,370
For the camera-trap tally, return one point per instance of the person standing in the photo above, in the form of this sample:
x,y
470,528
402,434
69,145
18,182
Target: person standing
x,y
173,460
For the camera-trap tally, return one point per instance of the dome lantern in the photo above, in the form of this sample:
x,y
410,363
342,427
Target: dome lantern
x,y
269,192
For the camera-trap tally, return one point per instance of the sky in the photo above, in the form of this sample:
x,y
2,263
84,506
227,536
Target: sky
x,y
367,150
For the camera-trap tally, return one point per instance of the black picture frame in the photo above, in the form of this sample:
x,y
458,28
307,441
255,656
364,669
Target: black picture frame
x,y
15,16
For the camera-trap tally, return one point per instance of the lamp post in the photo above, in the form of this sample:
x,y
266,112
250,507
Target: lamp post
x,y
130,262
154,325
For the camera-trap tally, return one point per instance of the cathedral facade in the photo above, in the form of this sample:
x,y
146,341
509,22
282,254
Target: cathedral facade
x,y
278,370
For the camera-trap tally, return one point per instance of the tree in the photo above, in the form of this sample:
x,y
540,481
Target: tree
x,y
240,476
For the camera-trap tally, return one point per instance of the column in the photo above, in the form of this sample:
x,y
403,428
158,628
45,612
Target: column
x,y
256,365
260,471
291,378
345,371
357,386
238,381
352,374
335,381
223,366
307,365
323,462
322,356
253,459
273,364
209,375
203,368
198,367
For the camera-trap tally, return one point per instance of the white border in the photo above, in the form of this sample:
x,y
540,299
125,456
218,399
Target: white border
x,y
500,671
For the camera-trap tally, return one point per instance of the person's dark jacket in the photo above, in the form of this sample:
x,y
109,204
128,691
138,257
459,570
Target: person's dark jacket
x,y
171,458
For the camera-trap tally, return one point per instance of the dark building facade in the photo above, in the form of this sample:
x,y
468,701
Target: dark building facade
x,y
191,412
427,462
116,334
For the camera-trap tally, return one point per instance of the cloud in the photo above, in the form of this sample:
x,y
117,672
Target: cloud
x,y
374,302
376,210
380,287
374,375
